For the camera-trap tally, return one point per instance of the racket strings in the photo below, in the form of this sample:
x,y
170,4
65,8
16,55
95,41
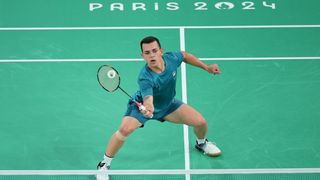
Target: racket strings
x,y
108,78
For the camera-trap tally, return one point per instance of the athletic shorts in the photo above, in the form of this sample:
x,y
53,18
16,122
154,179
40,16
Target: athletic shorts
x,y
133,111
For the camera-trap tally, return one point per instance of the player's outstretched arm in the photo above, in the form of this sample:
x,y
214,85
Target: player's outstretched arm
x,y
148,103
191,59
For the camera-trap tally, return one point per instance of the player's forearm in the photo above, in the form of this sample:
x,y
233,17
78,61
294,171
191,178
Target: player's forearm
x,y
148,103
191,59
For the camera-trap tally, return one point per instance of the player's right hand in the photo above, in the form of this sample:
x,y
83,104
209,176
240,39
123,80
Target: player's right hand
x,y
149,108
147,112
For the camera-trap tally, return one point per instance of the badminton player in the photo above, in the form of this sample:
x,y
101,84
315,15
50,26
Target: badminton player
x,y
157,82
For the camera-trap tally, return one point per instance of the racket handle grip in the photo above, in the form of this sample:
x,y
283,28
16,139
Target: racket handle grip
x,y
142,108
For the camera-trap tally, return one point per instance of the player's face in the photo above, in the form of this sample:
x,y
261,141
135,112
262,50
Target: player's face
x,y
152,53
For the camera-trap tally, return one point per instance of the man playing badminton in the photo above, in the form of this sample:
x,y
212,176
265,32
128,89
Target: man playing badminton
x,y
157,82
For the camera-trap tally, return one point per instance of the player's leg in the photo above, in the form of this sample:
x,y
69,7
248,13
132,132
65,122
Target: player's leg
x,y
128,125
132,120
185,114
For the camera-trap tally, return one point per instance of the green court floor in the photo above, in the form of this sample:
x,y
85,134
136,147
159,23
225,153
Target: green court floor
x,y
262,111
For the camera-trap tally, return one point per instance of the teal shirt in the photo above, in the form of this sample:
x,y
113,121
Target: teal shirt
x,y
161,86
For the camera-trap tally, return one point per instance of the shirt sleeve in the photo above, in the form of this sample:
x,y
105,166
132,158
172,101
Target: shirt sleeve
x,y
177,56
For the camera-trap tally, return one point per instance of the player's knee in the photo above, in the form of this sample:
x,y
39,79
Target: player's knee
x,y
125,131
120,136
201,122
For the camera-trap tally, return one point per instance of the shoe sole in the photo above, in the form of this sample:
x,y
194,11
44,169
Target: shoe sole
x,y
214,155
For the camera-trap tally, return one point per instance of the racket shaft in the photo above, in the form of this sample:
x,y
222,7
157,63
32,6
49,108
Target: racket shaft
x,y
140,106
125,92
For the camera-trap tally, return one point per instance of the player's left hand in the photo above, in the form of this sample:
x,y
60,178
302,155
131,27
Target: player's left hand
x,y
213,69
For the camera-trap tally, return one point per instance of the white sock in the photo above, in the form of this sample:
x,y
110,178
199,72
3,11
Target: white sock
x,y
107,160
201,141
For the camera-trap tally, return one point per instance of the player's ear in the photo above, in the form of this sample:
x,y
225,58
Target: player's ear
x,y
161,50
143,57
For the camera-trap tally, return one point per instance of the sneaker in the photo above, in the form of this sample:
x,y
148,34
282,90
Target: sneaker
x,y
208,148
102,167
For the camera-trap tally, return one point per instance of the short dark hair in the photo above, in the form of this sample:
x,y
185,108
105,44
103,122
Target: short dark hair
x,y
148,40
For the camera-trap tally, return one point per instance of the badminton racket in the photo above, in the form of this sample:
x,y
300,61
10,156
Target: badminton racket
x,y
109,79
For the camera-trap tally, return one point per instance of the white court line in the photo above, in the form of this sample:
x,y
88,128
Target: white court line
x,y
185,100
157,27
137,59
261,58
67,60
165,172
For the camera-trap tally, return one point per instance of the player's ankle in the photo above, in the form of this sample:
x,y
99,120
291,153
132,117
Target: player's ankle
x,y
107,159
201,141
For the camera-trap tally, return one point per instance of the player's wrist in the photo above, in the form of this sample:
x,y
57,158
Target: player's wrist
x,y
206,67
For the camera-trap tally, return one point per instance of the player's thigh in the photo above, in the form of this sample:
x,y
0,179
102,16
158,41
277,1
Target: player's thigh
x,y
186,114
128,125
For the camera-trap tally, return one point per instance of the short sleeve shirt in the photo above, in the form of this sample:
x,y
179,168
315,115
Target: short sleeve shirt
x,y
161,86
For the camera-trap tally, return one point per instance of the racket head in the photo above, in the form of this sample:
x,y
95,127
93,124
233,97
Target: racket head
x,y
108,78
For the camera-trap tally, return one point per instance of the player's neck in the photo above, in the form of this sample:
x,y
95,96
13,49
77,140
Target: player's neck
x,y
159,68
